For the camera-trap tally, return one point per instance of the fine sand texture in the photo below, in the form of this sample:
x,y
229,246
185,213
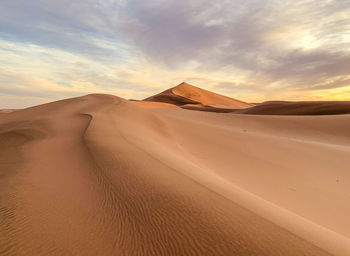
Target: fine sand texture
x,y
100,175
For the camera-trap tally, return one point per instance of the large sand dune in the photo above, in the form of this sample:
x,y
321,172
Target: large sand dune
x,y
186,95
191,97
99,175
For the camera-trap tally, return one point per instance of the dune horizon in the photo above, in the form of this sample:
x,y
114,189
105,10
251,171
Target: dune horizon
x,y
174,128
184,95
187,96
101,175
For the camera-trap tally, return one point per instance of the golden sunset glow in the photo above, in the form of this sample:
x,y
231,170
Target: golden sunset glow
x,y
295,50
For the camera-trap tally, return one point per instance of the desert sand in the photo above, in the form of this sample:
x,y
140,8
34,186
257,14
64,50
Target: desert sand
x,y
152,104
191,97
299,108
5,111
100,175
188,95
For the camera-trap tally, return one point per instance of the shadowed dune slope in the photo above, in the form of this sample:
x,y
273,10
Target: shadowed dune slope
x,y
191,97
99,175
299,108
186,94
284,108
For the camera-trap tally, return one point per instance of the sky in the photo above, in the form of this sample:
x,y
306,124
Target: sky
x,y
252,50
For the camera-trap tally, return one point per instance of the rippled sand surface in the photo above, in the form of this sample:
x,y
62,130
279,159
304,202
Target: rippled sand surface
x,y
99,175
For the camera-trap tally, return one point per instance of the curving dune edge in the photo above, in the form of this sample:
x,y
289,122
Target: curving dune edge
x,y
99,175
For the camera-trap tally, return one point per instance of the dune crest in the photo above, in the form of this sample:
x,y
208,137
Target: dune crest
x,y
100,175
191,97
208,98
185,95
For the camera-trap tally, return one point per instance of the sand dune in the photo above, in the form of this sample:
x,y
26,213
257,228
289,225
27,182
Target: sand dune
x,y
153,104
5,111
99,175
299,108
188,95
191,97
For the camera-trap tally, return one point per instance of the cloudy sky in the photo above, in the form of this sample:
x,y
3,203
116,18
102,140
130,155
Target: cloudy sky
x,y
254,50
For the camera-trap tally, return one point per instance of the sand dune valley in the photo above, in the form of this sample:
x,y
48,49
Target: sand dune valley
x,y
183,172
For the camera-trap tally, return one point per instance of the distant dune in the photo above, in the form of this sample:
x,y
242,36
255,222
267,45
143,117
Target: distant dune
x,y
299,108
191,97
186,95
285,108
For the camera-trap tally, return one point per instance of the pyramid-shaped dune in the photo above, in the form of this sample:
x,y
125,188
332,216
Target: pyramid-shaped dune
x,y
186,95
190,97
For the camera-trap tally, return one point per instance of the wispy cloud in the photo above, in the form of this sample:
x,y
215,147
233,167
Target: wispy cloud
x,y
251,49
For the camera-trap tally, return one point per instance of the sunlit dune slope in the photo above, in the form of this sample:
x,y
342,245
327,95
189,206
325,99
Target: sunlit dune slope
x,y
191,97
186,94
99,175
5,111
153,104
